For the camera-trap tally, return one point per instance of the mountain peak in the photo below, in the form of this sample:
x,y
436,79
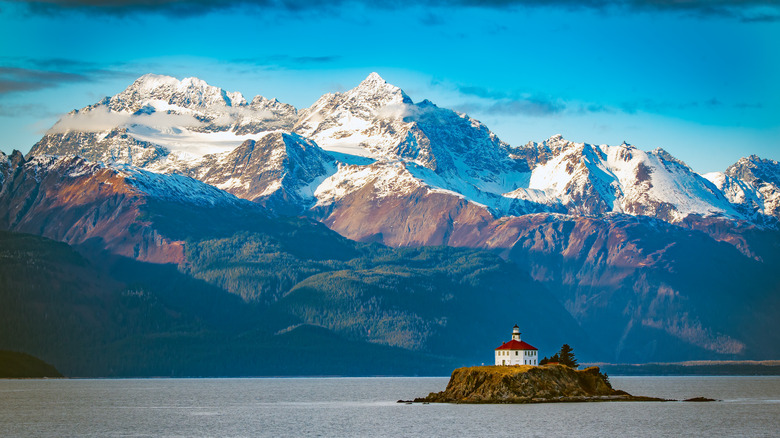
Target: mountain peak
x,y
755,159
373,78
754,168
377,88
557,142
192,93
152,81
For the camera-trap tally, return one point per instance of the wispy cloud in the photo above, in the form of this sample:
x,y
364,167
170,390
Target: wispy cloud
x,y
526,107
287,61
27,74
746,10
483,92
14,79
500,102
481,100
595,108
101,119
659,106
25,109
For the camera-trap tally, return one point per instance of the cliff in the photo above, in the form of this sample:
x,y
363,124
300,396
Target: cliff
x,y
528,384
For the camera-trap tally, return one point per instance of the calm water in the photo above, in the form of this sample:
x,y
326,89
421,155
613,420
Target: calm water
x,y
344,407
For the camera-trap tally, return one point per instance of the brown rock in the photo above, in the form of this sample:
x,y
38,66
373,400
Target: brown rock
x,y
528,384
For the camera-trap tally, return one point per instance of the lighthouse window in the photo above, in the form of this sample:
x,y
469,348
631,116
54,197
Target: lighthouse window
x,y
515,353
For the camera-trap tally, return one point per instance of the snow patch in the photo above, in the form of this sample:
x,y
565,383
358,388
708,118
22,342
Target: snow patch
x,y
176,188
191,143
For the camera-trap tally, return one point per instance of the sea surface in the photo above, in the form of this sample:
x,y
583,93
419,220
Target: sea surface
x,y
366,407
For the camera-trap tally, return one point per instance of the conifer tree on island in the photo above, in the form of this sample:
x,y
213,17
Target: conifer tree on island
x,y
564,357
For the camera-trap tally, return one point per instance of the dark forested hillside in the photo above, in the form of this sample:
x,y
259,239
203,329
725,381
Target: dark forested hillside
x,y
382,312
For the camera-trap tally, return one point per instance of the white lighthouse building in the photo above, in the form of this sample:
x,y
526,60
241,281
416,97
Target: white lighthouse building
x,y
516,352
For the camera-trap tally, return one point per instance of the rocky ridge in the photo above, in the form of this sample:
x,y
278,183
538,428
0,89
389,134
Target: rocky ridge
x,y
278,170
169,126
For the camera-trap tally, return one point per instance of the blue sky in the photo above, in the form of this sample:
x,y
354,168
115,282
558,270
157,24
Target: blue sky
x,y
699,78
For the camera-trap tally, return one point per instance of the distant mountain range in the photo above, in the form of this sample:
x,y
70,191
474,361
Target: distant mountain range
x,y
632,253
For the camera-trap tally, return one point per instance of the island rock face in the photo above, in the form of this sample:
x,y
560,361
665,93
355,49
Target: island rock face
x,y
528,384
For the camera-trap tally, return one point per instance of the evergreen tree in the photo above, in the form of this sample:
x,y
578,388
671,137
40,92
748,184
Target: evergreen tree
x,y
605,376
566,356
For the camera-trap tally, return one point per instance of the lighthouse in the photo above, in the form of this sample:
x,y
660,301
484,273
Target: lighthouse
x,y
516,352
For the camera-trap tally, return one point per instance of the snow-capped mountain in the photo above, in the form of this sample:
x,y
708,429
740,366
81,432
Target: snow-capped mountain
x,y
379,121
594,180
188,127
752,184
624,238
443,151
161,122
163,92
446,151
630,282
350,155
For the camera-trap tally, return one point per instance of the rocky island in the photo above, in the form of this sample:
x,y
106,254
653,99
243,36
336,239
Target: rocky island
x,y
529,384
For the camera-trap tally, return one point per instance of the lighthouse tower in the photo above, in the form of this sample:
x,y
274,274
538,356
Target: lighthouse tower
x,y
516,352
516,333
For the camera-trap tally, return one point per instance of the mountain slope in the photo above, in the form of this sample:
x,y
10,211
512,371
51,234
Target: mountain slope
x,y
15,365
210,248
624,238
112,317
278,170
76,201
651,290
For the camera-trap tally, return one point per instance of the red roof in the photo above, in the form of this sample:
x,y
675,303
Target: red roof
x,y
516,345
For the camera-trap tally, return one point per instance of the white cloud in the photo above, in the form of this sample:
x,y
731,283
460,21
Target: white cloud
x,y
398,111
99,119
227,115
102,119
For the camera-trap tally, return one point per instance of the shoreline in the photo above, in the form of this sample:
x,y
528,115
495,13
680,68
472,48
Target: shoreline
x,y
693,368
528,384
